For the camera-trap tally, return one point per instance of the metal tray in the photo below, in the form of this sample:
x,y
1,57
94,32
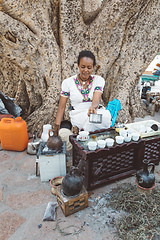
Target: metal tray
x,y
147,123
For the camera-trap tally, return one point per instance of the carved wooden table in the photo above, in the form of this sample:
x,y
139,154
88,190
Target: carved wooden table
x,y
109,164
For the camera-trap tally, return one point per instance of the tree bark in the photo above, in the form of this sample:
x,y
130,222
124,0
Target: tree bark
x,y
40,42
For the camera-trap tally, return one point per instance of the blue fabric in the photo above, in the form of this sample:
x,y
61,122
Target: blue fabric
x,y
114,106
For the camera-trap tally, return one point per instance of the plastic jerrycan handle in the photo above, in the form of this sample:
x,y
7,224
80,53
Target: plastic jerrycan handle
x,y
18,119
7,120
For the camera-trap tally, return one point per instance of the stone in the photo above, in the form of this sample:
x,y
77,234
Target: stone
x,y
40,42
9,223
1,195
27,199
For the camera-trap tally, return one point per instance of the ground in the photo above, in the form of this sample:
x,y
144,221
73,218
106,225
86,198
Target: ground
x,y
24,198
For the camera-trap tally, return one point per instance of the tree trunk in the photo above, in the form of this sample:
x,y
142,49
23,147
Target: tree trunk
x,y
40,42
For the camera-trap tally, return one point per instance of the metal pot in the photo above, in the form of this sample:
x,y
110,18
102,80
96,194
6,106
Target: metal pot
x,y
33,147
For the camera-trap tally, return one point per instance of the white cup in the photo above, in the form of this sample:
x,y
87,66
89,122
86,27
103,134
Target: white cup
x,y
83,136
109,142
122,132
92,146
119,139
135,136
127,137
130,130
101,143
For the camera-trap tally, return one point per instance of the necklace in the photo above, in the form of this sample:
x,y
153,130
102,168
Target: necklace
x,y
84,92
83,81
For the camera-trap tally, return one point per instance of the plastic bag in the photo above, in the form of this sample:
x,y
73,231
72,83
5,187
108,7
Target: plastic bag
x,y
9,104
3,110
50,213
114,106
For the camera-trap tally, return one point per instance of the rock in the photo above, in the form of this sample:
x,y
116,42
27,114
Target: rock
x,y
40,42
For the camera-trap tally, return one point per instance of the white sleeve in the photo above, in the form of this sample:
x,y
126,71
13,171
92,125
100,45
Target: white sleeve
x,y
65,92
100,82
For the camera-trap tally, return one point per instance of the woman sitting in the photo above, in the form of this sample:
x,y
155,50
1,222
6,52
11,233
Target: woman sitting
x,y
85,91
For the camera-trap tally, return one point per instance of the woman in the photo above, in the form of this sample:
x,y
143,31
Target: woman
x,y
84,91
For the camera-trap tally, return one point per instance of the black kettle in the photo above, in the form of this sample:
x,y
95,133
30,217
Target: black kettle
x,y
72,183
145,177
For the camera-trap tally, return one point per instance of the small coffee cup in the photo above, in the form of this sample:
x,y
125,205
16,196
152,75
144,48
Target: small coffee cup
x,y
92,146
135,136
130,130
127,137
122,132
101,143
83,136
119,139
109,142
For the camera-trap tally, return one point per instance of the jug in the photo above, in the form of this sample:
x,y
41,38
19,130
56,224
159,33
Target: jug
x,y
146,178
72,183
45,135
54,141
14,135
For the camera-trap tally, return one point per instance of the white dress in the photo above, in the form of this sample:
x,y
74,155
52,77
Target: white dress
x,y
81,100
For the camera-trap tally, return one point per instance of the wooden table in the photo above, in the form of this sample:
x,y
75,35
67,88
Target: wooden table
x,y
106,165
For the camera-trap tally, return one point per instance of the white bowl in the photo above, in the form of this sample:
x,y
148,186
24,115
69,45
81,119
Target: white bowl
x,y
135,136
109,142
92,146
119,139
101,143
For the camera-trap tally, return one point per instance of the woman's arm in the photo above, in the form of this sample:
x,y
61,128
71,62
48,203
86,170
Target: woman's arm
x,y
61,109
95,102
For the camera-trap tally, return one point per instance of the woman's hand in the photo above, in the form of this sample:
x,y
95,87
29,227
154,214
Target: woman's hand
x,y
91,109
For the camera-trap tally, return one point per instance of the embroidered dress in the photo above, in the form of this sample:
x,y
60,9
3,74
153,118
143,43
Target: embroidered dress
x,y
81,100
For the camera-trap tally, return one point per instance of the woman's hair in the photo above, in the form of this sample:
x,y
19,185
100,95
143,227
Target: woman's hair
x,y
88,54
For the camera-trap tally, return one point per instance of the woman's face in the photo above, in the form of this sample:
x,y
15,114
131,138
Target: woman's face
x,y
85,67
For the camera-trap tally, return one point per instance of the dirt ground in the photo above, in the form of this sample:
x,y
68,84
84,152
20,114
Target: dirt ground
x,y
24,198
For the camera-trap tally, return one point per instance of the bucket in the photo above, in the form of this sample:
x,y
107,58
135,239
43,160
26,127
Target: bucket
x,y
13,134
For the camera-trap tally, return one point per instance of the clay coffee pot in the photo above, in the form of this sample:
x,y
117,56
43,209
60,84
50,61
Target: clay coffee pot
x,y
145,177
72,183
54,141
75,130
